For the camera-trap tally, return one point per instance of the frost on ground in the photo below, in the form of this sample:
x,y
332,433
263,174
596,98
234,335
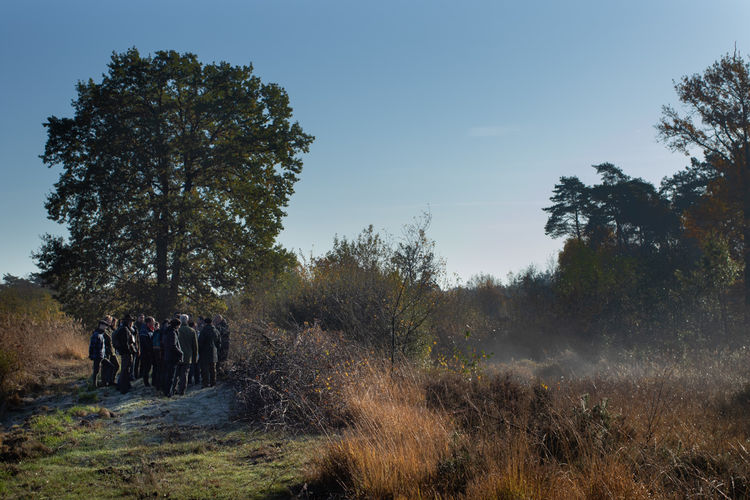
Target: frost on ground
x,y
142,406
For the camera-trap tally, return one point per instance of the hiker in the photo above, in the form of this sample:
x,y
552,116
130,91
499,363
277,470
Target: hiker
x,y
221,325
162,368
135,368
170,345
189,345
124,343
208,345
194,375
147,352
157,374
110,365
96,348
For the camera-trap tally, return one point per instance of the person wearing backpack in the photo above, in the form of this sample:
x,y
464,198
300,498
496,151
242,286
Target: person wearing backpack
x,y
96,349
110,365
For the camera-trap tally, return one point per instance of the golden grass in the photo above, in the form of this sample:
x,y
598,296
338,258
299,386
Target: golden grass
x,y
668,431
395,442
32,346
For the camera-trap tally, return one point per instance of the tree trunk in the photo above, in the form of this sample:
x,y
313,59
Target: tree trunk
x,y
164,309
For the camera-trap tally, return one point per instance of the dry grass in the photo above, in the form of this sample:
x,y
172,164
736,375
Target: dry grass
x,y
678,430
33,348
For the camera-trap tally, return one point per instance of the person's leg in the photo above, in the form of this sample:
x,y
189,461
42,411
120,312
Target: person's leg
x,y
115,369
204,373
127,368
212,373
182,369
146,367
163,375
106,368
191,374
169,381
155,370
97,363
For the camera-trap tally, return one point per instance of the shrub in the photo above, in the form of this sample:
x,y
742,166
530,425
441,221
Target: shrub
x,y
33,332
293,380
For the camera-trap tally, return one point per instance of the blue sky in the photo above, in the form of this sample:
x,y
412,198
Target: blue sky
x,y
471,110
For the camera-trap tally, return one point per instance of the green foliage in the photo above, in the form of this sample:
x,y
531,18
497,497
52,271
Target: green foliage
x,y
175,175
716,121
110,461
87,395
26,297
377,293
570,209
621,211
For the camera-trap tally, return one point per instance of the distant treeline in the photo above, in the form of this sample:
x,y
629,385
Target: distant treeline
x,y
641,267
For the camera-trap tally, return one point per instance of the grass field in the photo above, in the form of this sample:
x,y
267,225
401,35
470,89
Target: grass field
x,y
87,451
654,426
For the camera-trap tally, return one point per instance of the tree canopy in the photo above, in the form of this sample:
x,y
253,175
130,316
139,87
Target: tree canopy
x,y
175,175
717,122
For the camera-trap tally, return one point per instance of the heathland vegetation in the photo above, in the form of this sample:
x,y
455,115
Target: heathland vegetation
x,y
622,371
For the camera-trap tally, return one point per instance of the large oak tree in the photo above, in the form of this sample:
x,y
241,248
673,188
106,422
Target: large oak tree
x,y
174,179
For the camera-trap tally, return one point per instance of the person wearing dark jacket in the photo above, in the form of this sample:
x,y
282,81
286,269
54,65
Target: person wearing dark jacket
x,y
170,344
158,372
110,365
208,346
147,351
96,349
125,344
194,372
189,345
135,368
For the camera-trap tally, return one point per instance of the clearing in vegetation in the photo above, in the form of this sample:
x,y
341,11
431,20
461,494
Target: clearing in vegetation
x,y
144,445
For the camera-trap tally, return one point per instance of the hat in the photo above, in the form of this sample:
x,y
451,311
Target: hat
x,y
174,323
127,318
105,321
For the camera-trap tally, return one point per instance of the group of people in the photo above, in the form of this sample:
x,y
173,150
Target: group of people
x,y
167,356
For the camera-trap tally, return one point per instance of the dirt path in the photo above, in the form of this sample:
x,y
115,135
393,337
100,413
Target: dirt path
x,y
142,406
145,446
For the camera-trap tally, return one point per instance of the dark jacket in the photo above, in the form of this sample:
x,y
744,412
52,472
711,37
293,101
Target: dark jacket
x,y
208,344
189,344
124,340
158,335
170,344
108,350
96,345
146,337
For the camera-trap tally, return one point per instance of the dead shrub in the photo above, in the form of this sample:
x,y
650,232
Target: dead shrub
x,y
294,380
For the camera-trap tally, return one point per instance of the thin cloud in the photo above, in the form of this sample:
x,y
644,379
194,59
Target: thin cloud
x,y
491,131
